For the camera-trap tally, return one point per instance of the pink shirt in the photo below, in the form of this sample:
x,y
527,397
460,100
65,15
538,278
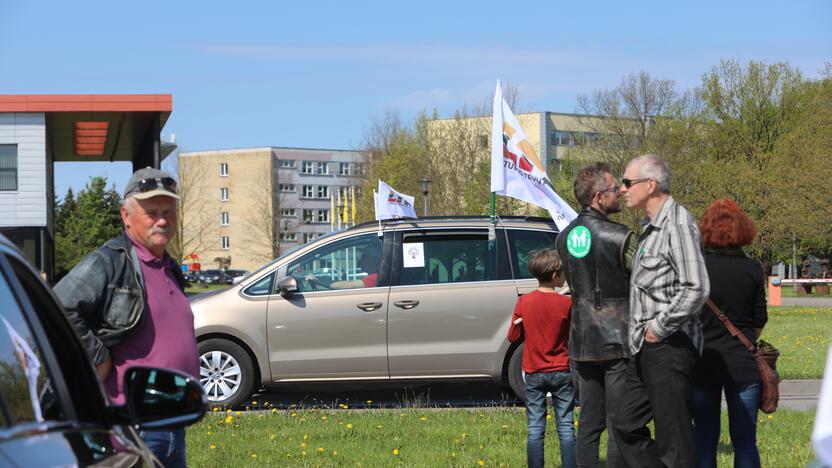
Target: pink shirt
x,y
166,337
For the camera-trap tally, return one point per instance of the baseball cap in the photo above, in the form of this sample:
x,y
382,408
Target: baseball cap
x,y
148,183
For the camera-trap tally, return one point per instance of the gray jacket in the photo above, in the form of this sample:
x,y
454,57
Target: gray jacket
x,y
104,296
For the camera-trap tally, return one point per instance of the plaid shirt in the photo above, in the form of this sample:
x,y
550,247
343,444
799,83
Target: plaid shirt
x,y
669,283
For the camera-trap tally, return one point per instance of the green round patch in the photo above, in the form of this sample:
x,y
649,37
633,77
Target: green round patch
x,y
579,242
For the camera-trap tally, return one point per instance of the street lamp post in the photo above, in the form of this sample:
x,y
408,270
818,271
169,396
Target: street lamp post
x,y
425,182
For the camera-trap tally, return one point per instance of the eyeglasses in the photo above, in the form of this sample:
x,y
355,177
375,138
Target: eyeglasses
x,y
629,183
164,183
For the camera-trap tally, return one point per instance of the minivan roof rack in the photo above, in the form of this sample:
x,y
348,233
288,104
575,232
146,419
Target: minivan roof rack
x,y
539,219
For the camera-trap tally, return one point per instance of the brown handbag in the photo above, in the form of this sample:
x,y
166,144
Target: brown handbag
x,y
766,356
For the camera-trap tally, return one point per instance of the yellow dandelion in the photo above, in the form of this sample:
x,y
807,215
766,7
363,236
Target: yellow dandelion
x,y
423,418
464,435
254,455
396,451
324,418
294,415
334,453
229,419
320,449
209,432
303,453
239,413
453,454
481,462
272,437
305,436
379,427
349,426
293,405
303,445
771,416
253,402
215,409
274,410
228,411
548,416
504,426
212,446
403,415
369,401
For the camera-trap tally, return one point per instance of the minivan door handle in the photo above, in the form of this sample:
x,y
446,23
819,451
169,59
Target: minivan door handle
x,y
369,306
406,305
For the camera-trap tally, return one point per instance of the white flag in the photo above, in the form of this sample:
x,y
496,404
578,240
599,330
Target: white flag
x,y
392,204
822,435
516,170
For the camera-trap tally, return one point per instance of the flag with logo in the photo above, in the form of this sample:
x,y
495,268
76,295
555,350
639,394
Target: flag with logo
x,y
516,169
392,204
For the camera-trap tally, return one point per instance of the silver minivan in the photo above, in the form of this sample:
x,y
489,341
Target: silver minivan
x,y
407,300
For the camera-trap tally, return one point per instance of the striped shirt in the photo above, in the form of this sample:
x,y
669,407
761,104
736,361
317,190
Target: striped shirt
x,y
669,283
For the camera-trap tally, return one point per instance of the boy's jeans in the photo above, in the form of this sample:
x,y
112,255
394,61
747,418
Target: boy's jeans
x,y
560,384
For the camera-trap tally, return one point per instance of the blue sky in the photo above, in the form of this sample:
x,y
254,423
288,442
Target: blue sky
x,y
314,74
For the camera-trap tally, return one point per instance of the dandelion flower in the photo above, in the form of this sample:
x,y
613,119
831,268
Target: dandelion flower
x,y
396,451
212,446
254,456
369,401
274,410
504,426
481,462
294,415
423,418
228,411
253,402
272,437
349,426
215,409
209,432
303,445
305,436
229,419
771,416
548,416
334,453
320,450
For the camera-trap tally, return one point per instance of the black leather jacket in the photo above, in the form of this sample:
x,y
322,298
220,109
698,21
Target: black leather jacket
x,y
104,296
600,287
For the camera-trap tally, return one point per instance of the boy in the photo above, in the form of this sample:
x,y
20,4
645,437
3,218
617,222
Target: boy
x,y
542,317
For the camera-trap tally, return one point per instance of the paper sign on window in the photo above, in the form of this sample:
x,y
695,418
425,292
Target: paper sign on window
x,y
413,255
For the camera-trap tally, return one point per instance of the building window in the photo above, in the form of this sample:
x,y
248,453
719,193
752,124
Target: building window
x,y
288,236
323,216
225,242
308,191
308,237
307,167
223,169
323,191
323,168
560,138
287,163
287,187
224,194
344,169
361,169
308,216
224,218
8,167
288,212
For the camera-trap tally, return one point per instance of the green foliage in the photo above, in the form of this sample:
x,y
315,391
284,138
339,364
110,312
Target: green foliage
x,y
85,222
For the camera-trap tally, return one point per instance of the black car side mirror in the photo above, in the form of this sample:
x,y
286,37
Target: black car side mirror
x,y
287,286
162,399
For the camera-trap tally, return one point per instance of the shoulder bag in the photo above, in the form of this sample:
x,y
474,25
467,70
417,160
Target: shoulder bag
x,y
766,356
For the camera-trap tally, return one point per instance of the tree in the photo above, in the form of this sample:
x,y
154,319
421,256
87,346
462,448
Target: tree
x,y
196,227
264,218
85,223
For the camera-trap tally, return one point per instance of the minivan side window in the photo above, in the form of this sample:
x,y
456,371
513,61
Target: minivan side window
x,y
523,241
345,264
263,286
26,394
446,258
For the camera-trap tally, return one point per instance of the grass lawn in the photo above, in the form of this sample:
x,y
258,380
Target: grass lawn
x,y
802,335
425,437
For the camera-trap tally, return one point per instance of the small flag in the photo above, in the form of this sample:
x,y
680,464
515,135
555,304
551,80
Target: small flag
x,y
392,204
516,170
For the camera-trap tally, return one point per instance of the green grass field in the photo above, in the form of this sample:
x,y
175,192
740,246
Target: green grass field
x,y
425,437
802,335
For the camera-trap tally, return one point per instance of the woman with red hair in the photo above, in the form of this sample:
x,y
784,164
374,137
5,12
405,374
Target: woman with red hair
x,y
738,289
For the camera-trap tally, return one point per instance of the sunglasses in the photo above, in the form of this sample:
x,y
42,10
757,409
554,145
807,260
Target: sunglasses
x,y
629,183
153,183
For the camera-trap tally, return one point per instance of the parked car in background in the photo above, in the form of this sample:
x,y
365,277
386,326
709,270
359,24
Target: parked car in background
x,y
235,276
191,276
425,299
213,277
53,408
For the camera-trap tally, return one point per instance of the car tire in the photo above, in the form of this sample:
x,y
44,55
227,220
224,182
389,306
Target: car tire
x,y
515,373
226,372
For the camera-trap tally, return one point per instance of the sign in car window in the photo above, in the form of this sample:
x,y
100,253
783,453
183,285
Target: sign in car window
x,y
413,255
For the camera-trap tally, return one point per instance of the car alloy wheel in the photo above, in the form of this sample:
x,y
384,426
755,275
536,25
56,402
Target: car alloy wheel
x,y
220,375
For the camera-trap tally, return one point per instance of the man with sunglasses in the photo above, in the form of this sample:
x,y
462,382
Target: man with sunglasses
x,y
669,285
596,253
127,302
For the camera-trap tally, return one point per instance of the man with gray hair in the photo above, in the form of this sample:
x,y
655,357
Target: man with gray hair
x,y
126,300
669,285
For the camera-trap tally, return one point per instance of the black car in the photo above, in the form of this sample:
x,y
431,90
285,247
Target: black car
x,y
53,409
213,277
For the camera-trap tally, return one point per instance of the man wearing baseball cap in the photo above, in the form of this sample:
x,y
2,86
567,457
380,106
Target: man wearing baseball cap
x,y
127,302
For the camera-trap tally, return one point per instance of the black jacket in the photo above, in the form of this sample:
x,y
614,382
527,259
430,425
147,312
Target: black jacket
x,y
104,296
738,289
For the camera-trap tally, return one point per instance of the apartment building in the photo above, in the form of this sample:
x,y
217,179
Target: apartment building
x,y
243,207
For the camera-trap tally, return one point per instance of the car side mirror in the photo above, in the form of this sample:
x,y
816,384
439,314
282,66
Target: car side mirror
x,y
162,398
287,286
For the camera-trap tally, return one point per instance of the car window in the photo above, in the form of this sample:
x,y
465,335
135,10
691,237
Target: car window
x,y
437,258
523,241
26,392
344,264
263,286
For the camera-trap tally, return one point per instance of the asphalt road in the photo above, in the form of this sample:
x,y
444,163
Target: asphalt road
x,y
794,394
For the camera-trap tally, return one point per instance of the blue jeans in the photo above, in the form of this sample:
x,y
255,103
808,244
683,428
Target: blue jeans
x,y
168,446
743,402
560,385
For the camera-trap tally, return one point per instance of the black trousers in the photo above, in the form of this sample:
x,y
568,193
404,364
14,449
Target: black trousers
x,y
659,387
602,389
